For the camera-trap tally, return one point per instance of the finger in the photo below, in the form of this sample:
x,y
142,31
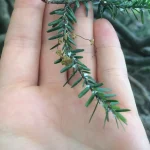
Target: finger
x,y
50,72
20,57
84,28
111,67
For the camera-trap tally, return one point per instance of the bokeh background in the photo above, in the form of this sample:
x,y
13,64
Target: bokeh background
x,y
135,40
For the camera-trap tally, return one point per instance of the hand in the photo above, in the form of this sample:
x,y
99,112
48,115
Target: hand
x,y
36,112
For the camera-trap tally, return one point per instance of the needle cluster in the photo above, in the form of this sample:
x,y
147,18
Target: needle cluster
x,y
71,57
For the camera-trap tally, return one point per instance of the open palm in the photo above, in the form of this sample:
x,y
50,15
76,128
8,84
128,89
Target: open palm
x,y
37,112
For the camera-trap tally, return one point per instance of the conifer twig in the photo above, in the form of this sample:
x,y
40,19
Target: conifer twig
x,y
63,1
70,57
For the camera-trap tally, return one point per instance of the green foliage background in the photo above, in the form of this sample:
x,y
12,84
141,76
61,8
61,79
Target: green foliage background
x,y
131,32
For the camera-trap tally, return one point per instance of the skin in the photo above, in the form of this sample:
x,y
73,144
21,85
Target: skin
x,y
36,112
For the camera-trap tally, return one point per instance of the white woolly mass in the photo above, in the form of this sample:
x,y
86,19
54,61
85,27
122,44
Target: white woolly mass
x,y
74,66
88,86
94,92
69,54
121,9
85,74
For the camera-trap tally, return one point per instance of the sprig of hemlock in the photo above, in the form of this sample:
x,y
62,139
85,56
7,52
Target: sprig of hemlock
x,y
113,6
124,6
70,58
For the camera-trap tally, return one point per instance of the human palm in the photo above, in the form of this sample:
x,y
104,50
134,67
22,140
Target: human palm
x,y
37,112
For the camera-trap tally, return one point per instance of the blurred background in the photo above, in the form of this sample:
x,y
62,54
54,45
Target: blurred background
x,y
135,40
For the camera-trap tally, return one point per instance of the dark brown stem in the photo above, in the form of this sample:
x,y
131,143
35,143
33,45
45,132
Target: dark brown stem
x,y
136,42
137,60
141,87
